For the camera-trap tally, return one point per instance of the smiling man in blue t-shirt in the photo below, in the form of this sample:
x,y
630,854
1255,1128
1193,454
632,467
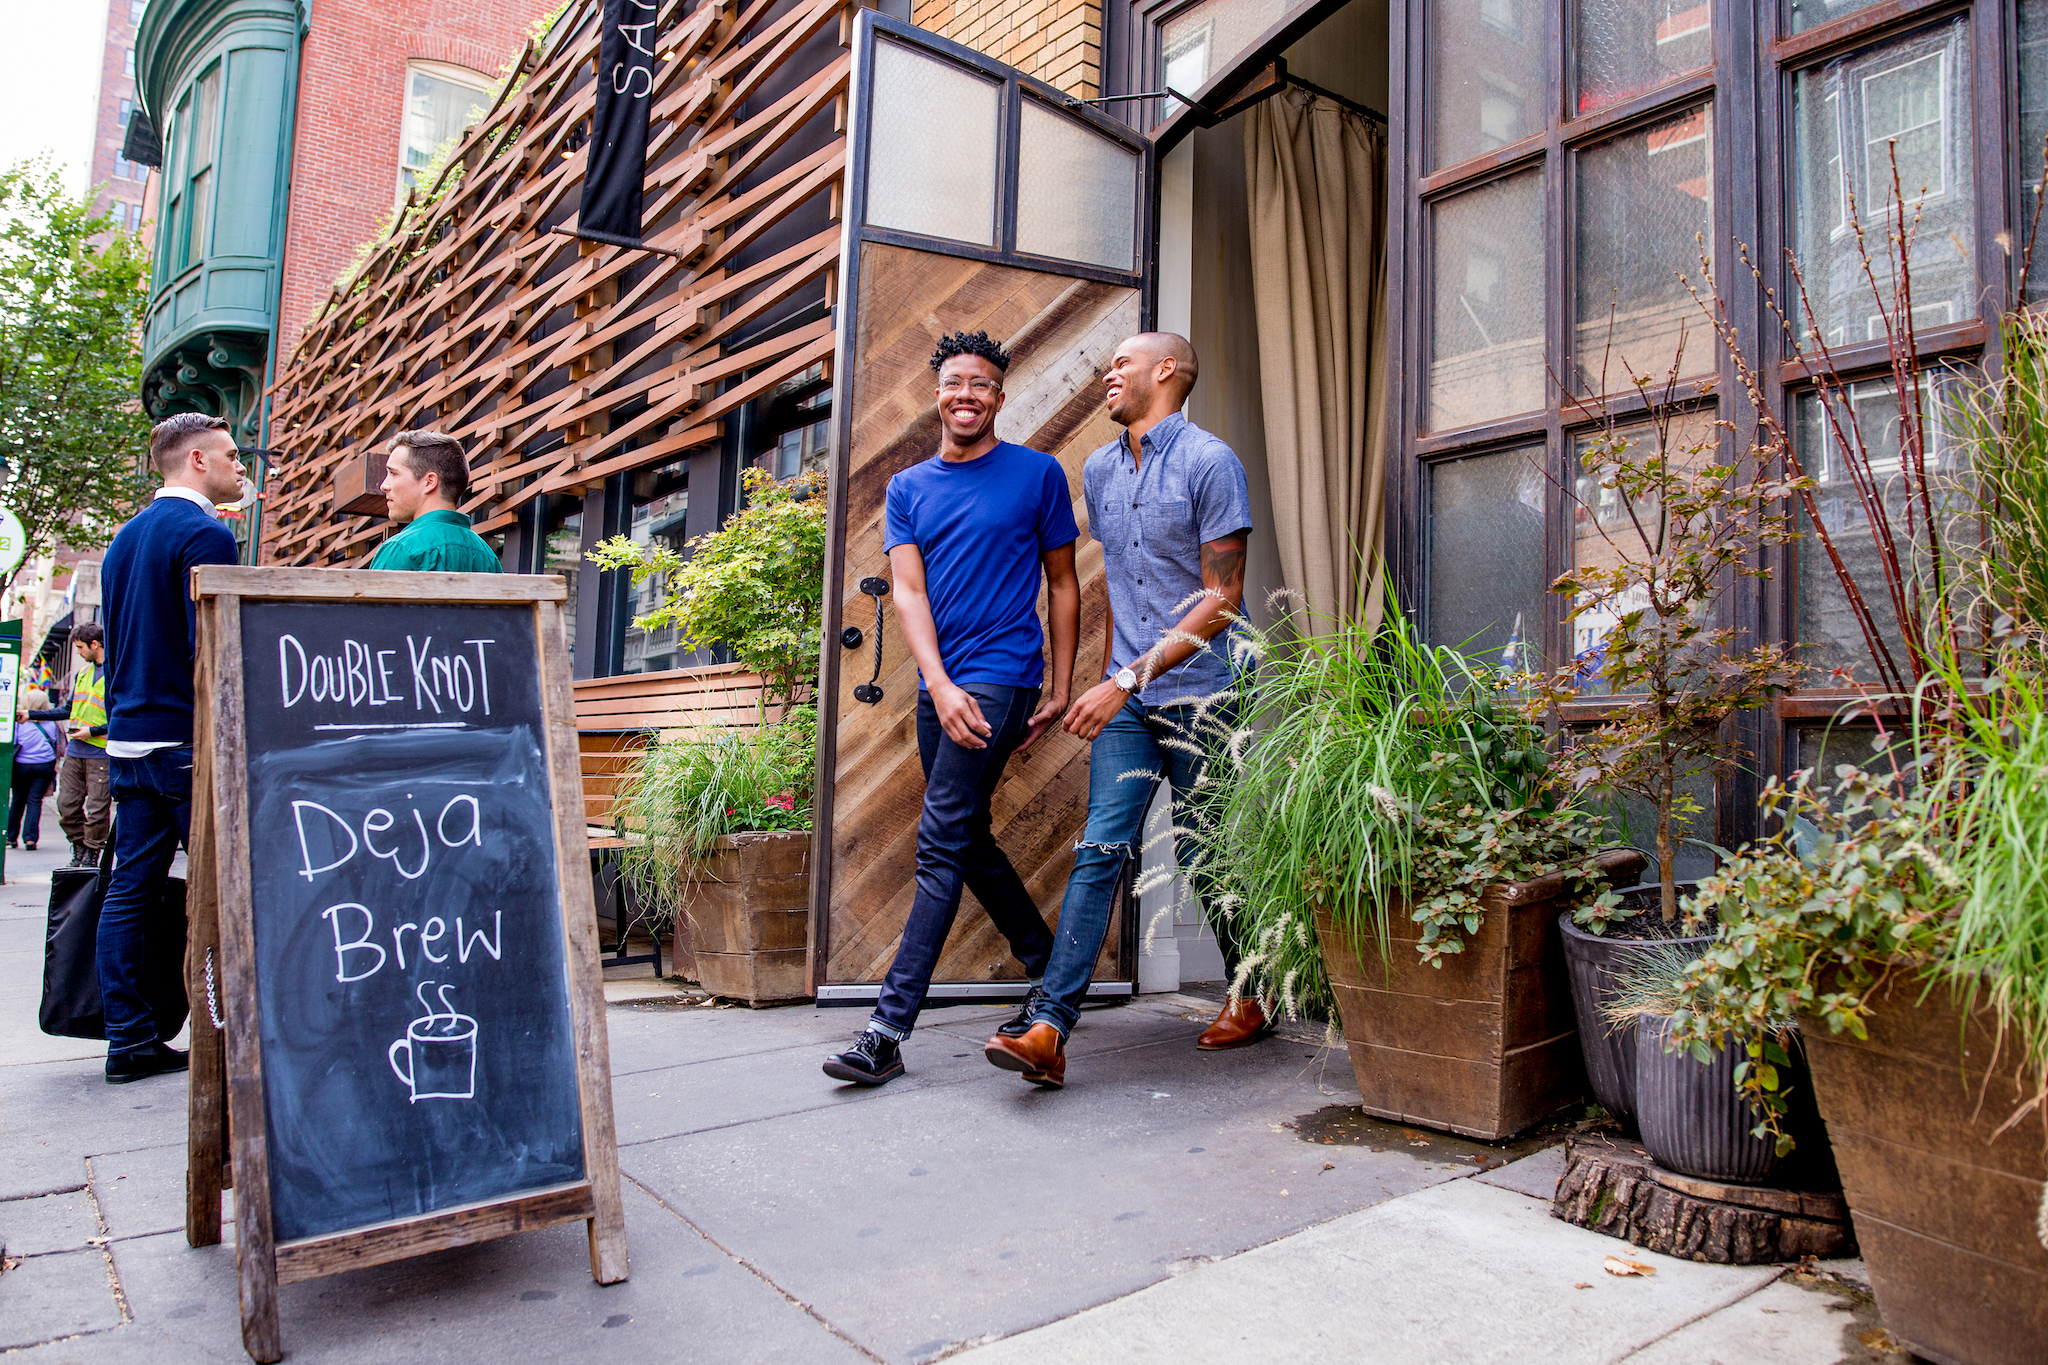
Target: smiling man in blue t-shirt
x,y
968,533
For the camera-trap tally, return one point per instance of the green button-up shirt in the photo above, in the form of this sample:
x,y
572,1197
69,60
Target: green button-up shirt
x,y
441,542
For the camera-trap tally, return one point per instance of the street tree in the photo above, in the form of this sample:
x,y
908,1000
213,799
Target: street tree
x,y
72,292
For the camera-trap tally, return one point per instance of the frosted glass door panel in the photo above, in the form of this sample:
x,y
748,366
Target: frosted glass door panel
x,y
932,147
1486,338
1487,585
1094,216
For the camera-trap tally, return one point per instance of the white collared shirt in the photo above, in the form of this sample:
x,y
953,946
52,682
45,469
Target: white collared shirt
x,y
137,748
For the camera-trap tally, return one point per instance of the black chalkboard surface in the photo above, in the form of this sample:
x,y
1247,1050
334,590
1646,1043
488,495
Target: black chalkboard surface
x,y
417,1051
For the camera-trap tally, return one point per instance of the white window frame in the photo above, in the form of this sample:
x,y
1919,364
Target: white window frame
x,y
484,85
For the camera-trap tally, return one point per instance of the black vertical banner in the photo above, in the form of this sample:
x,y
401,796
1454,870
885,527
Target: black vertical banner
x,y
617,164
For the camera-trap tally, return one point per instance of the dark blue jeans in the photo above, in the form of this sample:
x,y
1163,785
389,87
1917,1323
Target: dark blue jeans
x,y
955,848
25,811
152,817
1141,746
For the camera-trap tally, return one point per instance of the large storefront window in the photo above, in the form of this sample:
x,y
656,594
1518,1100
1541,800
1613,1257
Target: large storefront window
x,y
1586,155
561,552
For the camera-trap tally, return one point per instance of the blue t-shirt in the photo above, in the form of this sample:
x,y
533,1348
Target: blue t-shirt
x,y
981,526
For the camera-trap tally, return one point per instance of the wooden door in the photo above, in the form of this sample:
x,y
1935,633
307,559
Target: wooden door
x,y
953,224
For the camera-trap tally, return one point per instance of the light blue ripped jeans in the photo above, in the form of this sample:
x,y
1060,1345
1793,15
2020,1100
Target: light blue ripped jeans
x,y
1117,802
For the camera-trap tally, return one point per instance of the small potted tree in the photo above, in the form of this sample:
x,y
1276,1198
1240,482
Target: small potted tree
x,y
718,821
1681,526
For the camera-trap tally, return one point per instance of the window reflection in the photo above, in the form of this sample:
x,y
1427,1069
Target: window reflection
x,y
1626,47
661,512
1903,104
1646,215
1829,636
2033,130
1486,337
1486,76
562,553
1487,583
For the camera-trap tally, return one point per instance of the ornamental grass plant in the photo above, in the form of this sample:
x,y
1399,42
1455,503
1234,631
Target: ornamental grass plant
x,y
688,792
1367,772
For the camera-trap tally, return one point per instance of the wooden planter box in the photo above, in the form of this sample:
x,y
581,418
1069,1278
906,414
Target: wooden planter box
x,y
1486,1046
748,918
1944,1205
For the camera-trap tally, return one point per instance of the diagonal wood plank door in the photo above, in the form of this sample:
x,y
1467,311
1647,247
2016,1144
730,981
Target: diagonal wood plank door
x,y
946,232
1062,332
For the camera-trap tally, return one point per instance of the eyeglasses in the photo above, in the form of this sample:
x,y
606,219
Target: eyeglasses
x,y
980,388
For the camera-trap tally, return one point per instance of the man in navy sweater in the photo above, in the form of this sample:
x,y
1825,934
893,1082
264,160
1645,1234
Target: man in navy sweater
x,y
151,621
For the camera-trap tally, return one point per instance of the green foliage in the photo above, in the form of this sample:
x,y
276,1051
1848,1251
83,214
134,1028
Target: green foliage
x,y
1857,884
1689,526
756,585
1362,771
685,793
71,310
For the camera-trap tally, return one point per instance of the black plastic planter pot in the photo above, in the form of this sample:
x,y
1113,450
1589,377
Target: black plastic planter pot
x,y
1596,963
1692,1118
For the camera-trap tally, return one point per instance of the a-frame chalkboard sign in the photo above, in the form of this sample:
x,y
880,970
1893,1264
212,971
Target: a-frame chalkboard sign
x,y
391,923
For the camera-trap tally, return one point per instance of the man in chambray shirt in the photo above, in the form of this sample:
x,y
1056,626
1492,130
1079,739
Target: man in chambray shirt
x,y
1170,505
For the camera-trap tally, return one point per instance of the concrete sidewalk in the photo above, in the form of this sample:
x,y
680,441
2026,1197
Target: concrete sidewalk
x,y
1168,1205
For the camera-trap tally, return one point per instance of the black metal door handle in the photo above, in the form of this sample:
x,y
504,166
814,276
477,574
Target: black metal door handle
x,y
868,692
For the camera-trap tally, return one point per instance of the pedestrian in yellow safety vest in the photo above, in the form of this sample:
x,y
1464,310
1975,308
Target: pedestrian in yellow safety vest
x,y
84,801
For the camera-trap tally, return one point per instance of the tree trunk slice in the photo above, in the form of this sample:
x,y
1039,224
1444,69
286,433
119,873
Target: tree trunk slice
x,y
1611,1187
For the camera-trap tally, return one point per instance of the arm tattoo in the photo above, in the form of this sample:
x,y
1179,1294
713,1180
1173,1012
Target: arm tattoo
x,y
1223,563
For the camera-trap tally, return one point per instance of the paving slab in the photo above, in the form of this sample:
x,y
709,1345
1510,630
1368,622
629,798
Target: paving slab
x,y
41,1224
63,1294
1536,1175
1460,1273
1781,1324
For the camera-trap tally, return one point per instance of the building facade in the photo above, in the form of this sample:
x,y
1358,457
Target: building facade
x,y
118,183
1420,245
289,134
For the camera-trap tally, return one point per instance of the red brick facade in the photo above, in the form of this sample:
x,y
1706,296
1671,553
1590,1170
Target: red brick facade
x,y
352,82
117,185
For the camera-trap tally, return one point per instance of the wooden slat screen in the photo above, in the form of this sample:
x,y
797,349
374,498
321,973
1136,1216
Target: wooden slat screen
x,y
539,350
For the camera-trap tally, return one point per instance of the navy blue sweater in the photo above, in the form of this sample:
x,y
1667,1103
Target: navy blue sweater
x,y
146,589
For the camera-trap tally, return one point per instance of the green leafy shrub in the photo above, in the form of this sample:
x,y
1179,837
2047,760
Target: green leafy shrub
x,y
756,585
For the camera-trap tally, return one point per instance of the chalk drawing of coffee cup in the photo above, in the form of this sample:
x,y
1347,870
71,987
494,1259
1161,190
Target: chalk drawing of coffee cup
x,y
440,1052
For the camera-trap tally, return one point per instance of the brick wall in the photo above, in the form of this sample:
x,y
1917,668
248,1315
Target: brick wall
x,y
1058,41
352,81
116,184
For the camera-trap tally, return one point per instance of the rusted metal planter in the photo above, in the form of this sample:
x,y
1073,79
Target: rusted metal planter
x,y
1487,1045
747,918
1944,1204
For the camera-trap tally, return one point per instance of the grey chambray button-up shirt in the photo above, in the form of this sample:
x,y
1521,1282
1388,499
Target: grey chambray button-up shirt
x,y
1152,517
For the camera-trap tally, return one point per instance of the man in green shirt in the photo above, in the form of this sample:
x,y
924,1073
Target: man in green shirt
x,y
426,476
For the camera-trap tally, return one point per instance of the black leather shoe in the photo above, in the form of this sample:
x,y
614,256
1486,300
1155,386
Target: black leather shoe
x,y
144,1062
872,1060
1021,1025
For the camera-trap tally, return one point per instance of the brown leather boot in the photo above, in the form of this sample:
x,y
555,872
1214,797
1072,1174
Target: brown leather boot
x,y
1241,1024
1041,1055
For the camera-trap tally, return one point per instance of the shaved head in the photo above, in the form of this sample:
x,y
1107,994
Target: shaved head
x,y
1149,377
1175,347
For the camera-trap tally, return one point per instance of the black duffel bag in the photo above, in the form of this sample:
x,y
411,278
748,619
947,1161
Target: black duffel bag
x,y
71,979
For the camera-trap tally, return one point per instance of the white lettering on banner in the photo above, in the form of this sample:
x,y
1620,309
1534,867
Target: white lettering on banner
x,y
636,82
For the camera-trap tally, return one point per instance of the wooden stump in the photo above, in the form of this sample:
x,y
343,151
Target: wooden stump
x,y
1612,1187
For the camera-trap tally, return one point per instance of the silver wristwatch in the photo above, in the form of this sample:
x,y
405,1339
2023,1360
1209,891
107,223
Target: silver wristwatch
x,y
1126,679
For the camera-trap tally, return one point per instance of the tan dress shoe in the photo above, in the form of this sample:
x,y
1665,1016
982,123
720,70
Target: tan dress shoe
x,y
1040,1055
1241,1024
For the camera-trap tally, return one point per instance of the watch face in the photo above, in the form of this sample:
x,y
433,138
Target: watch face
x,y
1126,679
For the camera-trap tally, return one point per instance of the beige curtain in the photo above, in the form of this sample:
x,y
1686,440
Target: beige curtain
x,y
1317,176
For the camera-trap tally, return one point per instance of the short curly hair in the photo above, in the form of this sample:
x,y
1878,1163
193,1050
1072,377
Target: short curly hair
x,y
970,343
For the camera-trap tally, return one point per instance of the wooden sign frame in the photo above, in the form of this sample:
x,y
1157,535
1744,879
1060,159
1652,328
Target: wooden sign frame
x,y
227,1143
